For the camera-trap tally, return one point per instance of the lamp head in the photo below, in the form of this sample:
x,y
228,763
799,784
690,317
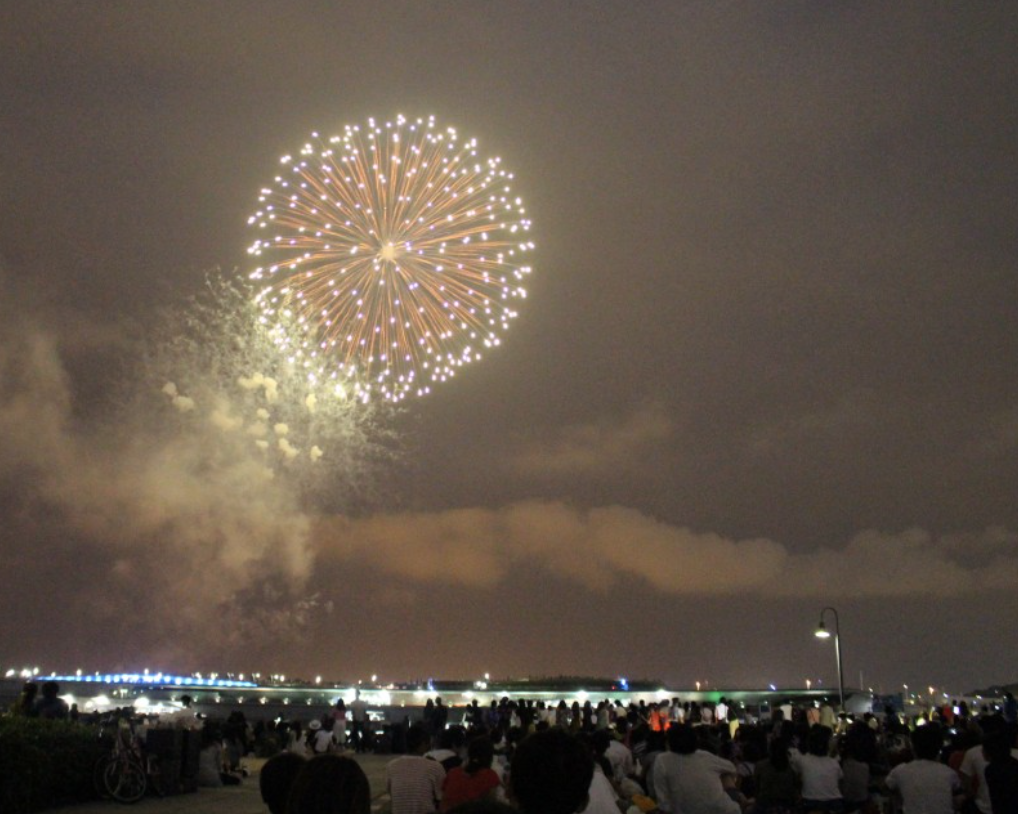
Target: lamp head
x,y
822,632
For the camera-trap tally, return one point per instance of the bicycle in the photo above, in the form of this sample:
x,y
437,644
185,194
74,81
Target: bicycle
x,y
122,773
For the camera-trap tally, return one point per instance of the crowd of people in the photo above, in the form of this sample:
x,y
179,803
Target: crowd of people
x,y
610,758
675,758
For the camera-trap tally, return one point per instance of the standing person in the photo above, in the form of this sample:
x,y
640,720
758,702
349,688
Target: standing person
x,y
339,725
441,717
1010,709
358,721
660,716
428,719
413,781
474,715
688,780
926,785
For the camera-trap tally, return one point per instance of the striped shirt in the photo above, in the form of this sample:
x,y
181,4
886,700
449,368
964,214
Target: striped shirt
x,y
415,784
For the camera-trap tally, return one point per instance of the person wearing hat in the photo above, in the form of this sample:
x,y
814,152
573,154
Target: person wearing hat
x,y
319,738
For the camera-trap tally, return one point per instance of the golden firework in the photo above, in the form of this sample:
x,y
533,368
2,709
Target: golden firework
x,y
394,253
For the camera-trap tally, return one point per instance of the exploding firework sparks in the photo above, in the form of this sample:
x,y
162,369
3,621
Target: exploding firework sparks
x,y
398,252
219,366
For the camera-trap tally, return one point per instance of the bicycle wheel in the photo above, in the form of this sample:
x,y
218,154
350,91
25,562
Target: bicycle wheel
x,y
99,776
125,781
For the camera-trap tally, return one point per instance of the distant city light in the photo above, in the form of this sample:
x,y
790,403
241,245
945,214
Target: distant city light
x,y
146,679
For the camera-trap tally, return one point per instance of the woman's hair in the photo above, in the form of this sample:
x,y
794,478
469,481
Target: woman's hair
x,y
480,753
276,779
551,773
330,784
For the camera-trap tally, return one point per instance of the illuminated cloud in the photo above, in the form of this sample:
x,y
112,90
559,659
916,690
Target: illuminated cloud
x,y
597,548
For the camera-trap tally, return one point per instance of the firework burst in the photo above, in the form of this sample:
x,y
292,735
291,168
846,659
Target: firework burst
x,y
397,251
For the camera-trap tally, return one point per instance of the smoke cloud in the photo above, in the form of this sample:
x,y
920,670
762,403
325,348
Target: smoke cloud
x,y
160,515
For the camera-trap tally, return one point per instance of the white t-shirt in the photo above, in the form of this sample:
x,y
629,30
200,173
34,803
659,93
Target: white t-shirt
x,y
821,776
926,787
322,741
621,759
691,784
601,795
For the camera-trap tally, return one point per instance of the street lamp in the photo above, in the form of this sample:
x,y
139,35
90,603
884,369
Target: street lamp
x,y
823,633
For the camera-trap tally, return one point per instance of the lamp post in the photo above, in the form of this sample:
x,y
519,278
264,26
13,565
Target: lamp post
x,y
823,633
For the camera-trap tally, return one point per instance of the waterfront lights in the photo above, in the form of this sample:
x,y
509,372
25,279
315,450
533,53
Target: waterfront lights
x,y
148,679
823,633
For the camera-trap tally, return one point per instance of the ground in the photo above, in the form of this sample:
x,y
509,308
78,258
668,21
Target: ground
x,y
242,799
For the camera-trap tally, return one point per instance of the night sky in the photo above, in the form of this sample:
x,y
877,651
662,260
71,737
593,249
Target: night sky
x,y
766,364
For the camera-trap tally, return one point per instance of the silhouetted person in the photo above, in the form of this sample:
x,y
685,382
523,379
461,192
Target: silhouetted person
x,y
551,774
330,784
1001,772
276,780
50,705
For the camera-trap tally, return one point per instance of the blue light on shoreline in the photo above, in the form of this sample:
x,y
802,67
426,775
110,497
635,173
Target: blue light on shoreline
x,y
149,680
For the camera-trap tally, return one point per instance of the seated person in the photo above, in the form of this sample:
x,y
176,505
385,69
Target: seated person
x,y
276,779
551,773
330,784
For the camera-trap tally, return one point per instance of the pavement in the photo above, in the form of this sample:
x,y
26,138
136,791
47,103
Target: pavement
x,y
242,799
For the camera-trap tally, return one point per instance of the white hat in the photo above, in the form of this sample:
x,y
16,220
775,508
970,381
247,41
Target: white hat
x,y
315,724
